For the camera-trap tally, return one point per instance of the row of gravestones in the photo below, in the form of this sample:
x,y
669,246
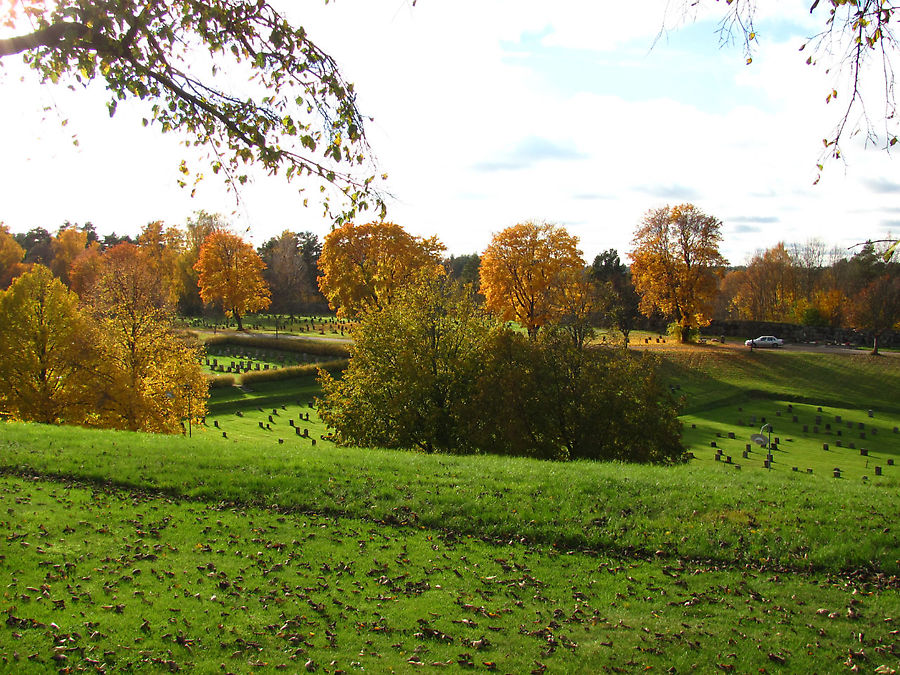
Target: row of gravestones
x,y
267,426
767,463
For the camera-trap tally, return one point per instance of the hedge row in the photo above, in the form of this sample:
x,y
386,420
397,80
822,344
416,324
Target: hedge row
x,y
299,346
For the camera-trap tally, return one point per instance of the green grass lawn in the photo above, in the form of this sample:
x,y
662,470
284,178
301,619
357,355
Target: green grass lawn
x,y
259,551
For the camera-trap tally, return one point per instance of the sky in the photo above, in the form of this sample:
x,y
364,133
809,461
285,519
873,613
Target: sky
x,y
492,112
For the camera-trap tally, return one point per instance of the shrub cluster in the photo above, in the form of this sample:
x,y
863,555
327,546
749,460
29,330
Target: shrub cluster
x,y
431,372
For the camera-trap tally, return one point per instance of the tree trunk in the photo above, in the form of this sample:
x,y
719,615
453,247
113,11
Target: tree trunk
x,y
237,318
875,345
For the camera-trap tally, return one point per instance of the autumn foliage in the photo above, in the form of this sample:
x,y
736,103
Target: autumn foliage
x,y
675,265
362,267
231,273
530,274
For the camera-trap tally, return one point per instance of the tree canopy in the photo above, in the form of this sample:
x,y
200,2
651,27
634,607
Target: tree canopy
x,y
527,271
363,267
231,273
675,257
293,114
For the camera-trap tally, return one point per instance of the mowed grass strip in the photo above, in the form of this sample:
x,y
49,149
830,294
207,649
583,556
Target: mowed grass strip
x,y
113,580
711,376
767,519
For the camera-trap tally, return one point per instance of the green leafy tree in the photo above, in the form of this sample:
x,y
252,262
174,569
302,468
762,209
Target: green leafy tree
x,y
50,362
549,398
295,114
411,371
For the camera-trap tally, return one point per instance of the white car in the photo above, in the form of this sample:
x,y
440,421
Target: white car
x,y
765,341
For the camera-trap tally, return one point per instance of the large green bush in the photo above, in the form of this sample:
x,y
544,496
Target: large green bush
x,y
431,372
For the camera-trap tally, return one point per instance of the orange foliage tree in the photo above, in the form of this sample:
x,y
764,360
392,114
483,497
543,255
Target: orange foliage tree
x,y
362,267
531,273
231,273
876,308
675,263
152,377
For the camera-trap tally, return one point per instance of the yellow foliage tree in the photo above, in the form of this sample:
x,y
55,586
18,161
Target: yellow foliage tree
x,y
362,267
67,245
532,273
11,255
153,376
231,273
769,288
50,358
675,264
163,246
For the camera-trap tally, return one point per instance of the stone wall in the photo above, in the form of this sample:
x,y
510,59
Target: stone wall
x,y
790,332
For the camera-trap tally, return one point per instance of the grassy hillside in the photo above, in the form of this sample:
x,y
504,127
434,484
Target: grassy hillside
x,y
258,550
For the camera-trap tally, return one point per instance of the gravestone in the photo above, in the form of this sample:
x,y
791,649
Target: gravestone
x,y
224,435
818,419
712,444
862,435
877,470
745,455
767,465
261,425
749,447
731,434
871,413
805,429
297,430
890,461
853,446
837,472
825,446
840,444
794,419
864,452
291,422
819,409
809,471
837,418
216,423
271,421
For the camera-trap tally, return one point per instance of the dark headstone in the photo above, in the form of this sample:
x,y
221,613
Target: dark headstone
x,y
862,435
805,429
818,409
746,455
891,461
224,435
261,425
809,471
216,423
864,452
794,468
794,419
291,422
838,418
824,446
837,473
712,444
731,434
871,413
877,470
840,444
749,447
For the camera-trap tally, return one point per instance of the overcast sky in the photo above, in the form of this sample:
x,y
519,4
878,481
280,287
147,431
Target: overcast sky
x,y
491,112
